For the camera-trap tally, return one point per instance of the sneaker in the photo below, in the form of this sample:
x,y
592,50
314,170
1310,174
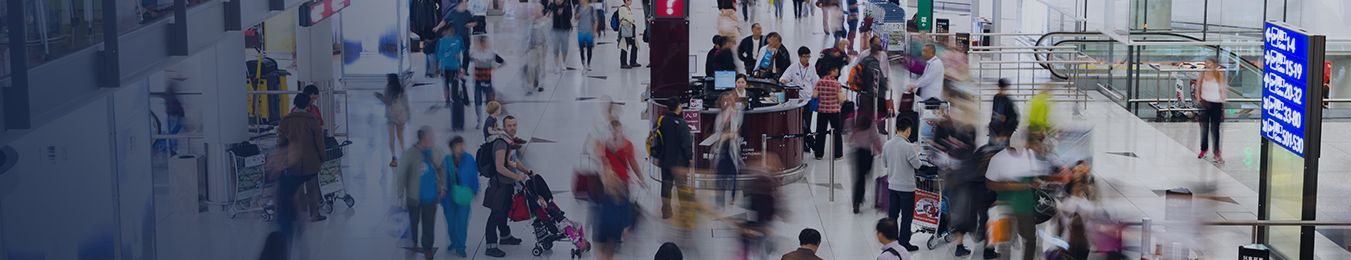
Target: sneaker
x,y
429,254
911,248
991,254
394,162
1202,155
497,252
510,241
460,252
962,251
1218,159
541,89
818,158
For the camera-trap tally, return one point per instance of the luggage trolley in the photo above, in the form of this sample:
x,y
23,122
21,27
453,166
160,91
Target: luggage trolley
x,y
331,179
253,190
931,209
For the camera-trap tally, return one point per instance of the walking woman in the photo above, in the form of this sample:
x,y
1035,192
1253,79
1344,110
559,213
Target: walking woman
x,y
864,139
396,112
728,24
461,175
1211,97
727,149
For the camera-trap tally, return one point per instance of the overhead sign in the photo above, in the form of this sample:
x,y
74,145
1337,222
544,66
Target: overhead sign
x,y
925,15
315,11
670,9
1285,86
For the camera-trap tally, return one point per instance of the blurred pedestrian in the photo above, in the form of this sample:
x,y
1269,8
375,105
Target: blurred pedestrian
x,y
560,12
721,57
1211,96
396,113
677,151
728,24
831,96
497,197
537,47
866,142
971,199
423,16
461,173
809,240
1004,116
901,159
464,22
485,60
449,55
764,206
891,248
727,148
300,146
669,251
1014,173
311,193
621,169
420,183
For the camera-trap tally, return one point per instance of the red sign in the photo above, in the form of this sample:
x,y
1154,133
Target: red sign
x,y
692,120
316,11
927,208
670,9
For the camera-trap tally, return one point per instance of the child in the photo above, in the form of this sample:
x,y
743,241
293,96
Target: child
x,y
491,131
484,60
449,52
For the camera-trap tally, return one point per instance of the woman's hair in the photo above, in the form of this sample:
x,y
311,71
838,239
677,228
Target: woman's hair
x,y
393,88
740,76
456,140
311,90
717,40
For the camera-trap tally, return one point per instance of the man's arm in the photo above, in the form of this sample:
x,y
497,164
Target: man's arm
x,y
500,158
912,156
931,76
743,50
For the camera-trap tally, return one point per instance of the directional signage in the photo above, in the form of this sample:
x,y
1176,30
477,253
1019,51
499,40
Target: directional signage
x,y
1285,86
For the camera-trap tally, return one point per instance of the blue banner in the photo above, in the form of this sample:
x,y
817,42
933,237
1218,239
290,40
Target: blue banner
x,y
1284,86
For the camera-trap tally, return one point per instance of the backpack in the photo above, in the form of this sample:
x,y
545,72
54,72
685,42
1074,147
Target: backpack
x,y
860,77
655,142
614,20
485,159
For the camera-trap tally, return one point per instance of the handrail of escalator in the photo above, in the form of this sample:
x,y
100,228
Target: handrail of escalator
x,y
1040,41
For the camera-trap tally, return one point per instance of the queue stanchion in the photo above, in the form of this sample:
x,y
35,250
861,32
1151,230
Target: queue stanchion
x,y
764,150
830,145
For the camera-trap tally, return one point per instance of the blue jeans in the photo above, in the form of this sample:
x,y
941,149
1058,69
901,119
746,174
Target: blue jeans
x,y
457,224
902,202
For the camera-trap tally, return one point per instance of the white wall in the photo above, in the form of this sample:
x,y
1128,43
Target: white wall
x,y
61,204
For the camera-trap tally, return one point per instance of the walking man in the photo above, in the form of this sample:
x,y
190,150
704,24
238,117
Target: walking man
x,y
676,154
420,182
300,144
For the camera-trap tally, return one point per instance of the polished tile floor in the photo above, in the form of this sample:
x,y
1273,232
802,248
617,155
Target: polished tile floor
x,y
557,120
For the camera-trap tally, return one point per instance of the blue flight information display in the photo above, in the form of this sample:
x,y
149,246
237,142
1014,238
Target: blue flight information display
x,y
1284,84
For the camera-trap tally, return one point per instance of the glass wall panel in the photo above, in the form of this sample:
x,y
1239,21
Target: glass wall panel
x,y
1286,176
55,28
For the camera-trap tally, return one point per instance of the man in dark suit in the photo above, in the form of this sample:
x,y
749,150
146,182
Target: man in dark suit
x,y
750,47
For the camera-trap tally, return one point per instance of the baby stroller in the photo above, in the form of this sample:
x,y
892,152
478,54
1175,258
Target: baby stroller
x,y
534,200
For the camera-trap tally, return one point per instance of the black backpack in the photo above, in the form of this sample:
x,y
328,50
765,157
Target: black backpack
x,y
485,158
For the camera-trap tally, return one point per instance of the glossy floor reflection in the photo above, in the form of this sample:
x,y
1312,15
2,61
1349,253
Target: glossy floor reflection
x,y
557,120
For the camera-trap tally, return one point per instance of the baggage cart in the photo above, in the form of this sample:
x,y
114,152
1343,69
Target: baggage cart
x,y
931,210
252,190
331,183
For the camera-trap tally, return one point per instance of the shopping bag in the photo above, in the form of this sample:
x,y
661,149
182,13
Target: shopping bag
x,y
397,225
999,227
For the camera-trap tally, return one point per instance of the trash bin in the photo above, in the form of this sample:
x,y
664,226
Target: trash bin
x,y
187,183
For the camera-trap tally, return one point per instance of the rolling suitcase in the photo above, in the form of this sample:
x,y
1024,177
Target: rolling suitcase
x,y
882,198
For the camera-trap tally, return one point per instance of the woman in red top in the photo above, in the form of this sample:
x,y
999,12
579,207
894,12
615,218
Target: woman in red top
x,y
828,109
613,206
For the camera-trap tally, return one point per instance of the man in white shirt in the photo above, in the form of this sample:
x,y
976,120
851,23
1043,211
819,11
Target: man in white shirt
x,y
930,84
901,159
803,74
891,249
1014,173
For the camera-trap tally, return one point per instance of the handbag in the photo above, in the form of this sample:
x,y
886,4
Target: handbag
x,y
459,194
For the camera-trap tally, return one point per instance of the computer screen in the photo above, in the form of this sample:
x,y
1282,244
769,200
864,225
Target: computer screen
x,y
724,79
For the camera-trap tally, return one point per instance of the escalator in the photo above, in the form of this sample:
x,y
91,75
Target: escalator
x,y
1103,48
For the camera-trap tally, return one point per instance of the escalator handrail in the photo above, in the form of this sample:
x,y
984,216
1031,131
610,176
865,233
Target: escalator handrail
x,y
1244,62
